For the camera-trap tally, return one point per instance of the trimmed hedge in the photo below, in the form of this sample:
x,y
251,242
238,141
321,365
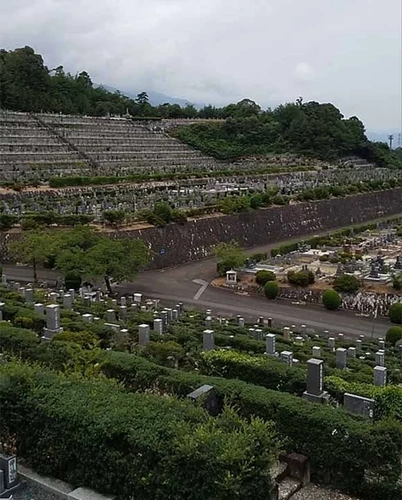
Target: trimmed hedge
x,y
144,446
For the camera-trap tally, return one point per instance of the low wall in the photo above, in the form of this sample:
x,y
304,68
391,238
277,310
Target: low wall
x,y
175,244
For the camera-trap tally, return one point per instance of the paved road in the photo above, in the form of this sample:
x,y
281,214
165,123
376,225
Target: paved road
x,y
177,285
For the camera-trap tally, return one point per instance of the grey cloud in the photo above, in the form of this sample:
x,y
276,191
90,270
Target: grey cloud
x,y
342,51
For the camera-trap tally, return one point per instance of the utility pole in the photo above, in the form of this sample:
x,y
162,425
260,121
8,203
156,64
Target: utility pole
x,y
390,138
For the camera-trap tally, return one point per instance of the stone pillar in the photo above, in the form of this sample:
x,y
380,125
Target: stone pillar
x,y
68,301
269,322
158,326
380,358
53,298
331,343
39,309
287,357
241,322
208,340
286,333
316,351
175,315
315,375
270,344
88,318
110,315
381,344
52,321
123,313
352,352
29,296
143,334
261,320
380,376
341,358
164,318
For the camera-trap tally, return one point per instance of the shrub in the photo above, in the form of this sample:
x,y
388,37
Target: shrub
x,y
394,334
264,276
73,280
271,290
163,211
331,300
346,284
395,313
164,448
301,278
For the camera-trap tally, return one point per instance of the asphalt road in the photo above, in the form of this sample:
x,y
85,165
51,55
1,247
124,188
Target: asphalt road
x,y
177,285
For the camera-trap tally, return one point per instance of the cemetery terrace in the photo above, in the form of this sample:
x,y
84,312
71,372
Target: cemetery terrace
x,y
277,374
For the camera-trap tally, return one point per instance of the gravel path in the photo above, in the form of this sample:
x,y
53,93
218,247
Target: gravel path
x,y
313,492
33,493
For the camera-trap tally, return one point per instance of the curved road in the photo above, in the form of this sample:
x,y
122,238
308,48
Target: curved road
x,y
177,285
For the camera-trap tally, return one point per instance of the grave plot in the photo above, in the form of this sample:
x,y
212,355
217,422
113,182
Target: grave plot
x,y
289,375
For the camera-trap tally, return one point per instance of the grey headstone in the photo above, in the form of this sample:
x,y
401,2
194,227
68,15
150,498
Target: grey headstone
x,y
8,464
359,345
206,395
241,322
123,313
359,405
270,344
143,334
380,376
52,321
381,344
68,301
286,333
158,326
53,298
138,298
72,293
39,309
208,340
88,318
208,322
352,352
269,322
341,358
110,315
287,357
316,352
175,315
123,301
315,375
29,296
380,358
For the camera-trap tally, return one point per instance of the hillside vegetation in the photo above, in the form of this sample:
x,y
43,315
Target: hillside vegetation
x,y
310,129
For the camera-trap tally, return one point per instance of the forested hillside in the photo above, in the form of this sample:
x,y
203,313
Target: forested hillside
x,y
311,129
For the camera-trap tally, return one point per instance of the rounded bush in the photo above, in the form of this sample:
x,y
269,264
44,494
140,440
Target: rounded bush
x,y
331,299
346,284
72,280
395,313
264,276
271,289
394,334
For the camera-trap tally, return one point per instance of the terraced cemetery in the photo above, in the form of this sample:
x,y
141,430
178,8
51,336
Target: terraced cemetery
x,y
113,381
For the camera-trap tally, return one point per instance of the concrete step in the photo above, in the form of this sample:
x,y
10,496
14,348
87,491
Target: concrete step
x,y
288,487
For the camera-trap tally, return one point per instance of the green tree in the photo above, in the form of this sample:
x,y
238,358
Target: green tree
x,y
271,289
163,211
395,313
346,284
229,256
114,217
101,256
33,248
331,300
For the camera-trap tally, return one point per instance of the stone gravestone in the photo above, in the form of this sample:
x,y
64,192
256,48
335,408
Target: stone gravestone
x,y
315,374
352,352
381,345
158,326
29,296
138,298
8,476
39,309
270,344
88,318
241,322
52,321
164,318
341,358
110,315
123,313
206,396
286,333
358,345
380,358
269,322
175,315
316,352
208,322
380,376
287,357
143,334
2,304
208,340
123,301
68,301
53,298
359,405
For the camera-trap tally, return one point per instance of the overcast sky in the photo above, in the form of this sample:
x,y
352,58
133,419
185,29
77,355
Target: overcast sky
x,y
343,51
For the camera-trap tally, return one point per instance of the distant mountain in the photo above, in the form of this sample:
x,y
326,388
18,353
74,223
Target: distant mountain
x,y
155,98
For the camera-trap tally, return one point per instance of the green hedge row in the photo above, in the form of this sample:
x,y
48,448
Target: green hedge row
x,y
144,446
345,451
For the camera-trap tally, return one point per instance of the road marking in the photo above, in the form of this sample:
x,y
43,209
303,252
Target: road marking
x,y
203,284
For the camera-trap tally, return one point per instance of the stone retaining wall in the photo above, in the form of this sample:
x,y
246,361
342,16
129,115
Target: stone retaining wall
x,y
175,244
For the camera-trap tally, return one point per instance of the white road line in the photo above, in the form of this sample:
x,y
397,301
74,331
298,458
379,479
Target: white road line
x,y
203,284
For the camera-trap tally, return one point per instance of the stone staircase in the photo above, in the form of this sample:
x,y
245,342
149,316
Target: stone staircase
x,y
290,474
